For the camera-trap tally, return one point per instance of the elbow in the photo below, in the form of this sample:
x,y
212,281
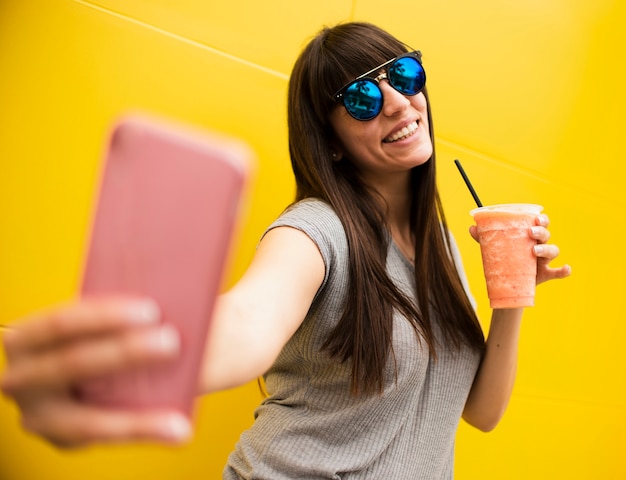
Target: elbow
x,y
483,422
485,427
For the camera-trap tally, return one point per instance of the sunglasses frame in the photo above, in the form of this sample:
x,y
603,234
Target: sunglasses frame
x,y
339,95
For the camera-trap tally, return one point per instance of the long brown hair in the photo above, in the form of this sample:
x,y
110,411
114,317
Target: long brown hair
x,y
364,332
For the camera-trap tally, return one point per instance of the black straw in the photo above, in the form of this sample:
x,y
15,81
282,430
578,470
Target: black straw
x,y
468,183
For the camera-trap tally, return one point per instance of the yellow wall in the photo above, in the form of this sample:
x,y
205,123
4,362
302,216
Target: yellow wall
x,y
529,94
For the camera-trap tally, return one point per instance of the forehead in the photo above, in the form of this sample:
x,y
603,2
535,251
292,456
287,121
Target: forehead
x,y
371,63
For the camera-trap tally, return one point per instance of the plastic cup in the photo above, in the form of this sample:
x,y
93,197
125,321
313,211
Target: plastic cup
x,y
506,247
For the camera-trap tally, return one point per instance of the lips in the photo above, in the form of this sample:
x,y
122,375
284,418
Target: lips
x,y
403,133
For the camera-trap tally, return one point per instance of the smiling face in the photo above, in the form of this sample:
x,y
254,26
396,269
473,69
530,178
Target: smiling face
x,y
380,152
392,143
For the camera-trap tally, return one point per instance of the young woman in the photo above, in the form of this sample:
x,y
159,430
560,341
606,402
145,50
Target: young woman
x,y
355,307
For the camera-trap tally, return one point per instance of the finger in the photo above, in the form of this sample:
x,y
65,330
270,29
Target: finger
x,y
72,363
540,233
72,425
473,232
548,273
542,220
561,272
88,317
546,252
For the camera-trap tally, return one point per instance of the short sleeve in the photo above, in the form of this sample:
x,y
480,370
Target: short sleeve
x,y
321,224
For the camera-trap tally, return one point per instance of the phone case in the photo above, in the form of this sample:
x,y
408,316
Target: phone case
x,y
168,203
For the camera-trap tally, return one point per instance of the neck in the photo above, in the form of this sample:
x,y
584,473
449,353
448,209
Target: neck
x,y
397,198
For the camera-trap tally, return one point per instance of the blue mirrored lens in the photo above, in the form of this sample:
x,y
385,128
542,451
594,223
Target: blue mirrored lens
x,y
407,76
363,99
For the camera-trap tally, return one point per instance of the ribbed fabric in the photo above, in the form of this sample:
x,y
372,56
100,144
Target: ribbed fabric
x,y
311,427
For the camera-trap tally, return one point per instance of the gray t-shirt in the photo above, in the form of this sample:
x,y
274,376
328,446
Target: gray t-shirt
x,y
311,427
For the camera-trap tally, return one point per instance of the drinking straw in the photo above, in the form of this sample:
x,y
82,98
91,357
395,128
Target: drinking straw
x,y
468,183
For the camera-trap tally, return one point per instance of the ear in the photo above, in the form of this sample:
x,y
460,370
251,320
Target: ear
x,y
335,148
336,152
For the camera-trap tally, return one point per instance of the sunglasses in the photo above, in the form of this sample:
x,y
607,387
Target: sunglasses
x,y
363,97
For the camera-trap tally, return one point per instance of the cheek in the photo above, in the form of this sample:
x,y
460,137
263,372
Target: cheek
x,y
351,133
419,103
339,124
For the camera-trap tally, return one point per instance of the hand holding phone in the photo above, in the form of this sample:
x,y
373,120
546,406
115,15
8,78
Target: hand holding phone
x,y
167,206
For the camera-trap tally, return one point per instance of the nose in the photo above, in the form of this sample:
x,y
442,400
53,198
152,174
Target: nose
x,y
393,101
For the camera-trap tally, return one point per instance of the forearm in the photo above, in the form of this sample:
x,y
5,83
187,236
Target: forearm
x,y
493,385
257,317
239,347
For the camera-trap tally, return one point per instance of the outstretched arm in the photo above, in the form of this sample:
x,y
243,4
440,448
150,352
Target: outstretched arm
x,y
51,352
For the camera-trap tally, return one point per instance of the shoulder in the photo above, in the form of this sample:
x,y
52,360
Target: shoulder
x,y
311,213
320,223
315,218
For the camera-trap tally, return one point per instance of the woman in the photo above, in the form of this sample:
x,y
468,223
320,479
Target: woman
x,y
354,308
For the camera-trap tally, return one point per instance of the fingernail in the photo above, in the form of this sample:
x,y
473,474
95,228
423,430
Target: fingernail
x,y
535,231
538,249
178,428
166,339
144,312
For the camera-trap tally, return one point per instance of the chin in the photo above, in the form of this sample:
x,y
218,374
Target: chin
x,y
423,156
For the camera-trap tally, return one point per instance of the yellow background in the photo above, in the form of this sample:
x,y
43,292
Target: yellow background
x,y
529,94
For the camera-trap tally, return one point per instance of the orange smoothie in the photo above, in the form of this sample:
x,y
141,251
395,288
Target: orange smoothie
x,y
509,263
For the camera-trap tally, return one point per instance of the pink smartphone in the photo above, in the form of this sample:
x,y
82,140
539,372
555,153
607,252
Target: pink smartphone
x,y
168,203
